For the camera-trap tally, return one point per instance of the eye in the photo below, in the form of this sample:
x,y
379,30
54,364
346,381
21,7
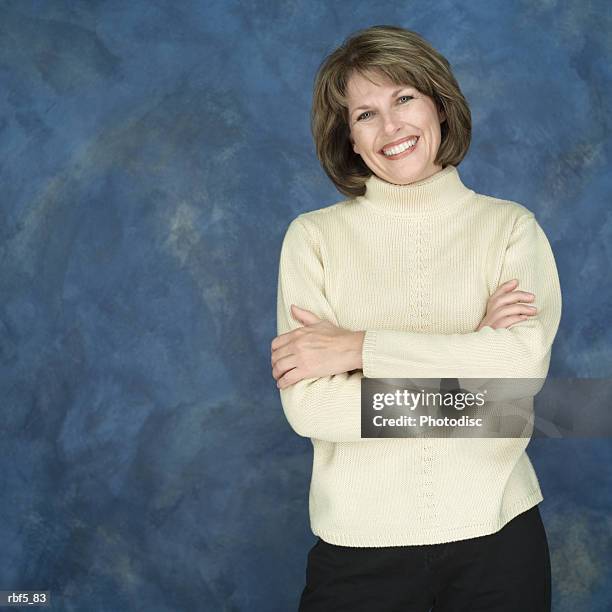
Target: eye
x,y
366,112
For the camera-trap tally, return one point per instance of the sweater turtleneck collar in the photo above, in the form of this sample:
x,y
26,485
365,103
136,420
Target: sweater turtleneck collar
x,y
437,193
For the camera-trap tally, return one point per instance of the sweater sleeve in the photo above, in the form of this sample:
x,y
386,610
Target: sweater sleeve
x,y
520,351
326,408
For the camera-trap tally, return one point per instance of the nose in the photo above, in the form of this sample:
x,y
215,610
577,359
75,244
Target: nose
x,y
391,123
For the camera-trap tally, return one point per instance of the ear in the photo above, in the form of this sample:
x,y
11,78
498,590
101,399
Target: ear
x,y
352,141
441,114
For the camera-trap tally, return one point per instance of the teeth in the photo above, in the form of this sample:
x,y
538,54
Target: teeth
x,y
401,147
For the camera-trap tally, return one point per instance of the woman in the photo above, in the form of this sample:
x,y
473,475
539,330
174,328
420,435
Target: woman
x,y
413,275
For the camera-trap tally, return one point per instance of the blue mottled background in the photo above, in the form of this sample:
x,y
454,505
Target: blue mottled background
x,y
152,154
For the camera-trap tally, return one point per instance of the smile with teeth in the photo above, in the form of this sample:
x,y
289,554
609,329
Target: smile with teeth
x,y
400,148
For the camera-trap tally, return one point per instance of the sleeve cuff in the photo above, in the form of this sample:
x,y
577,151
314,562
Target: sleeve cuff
x,y
368,353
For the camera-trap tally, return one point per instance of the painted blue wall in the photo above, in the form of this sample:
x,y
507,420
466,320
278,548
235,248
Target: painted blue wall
x,y
152,154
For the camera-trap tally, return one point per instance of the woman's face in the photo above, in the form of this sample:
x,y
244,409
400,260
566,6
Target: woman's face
x,y
382,114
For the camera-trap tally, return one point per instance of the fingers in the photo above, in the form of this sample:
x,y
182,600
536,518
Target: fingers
x,y
505,287
281,340
513,297
287,337
512,309
283,365
509,315
506,322
290,378
507,294
509,288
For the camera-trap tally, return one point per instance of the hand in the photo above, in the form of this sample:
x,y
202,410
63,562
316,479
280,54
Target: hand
x,y
320,348
504,309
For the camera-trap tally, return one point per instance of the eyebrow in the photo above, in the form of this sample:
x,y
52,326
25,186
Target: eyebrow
x,y
393,94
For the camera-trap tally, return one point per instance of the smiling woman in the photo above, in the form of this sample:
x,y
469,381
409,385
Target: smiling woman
x,y
401,127
413,275
377,90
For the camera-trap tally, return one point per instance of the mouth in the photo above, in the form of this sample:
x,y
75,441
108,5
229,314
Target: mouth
x,y
400,148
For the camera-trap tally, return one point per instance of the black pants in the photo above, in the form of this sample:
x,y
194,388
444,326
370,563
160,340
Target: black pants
x,y
507,571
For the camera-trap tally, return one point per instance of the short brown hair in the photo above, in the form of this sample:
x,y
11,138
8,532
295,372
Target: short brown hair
x,y
406,59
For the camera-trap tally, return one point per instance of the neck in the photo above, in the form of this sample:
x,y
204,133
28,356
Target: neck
x,y
437,193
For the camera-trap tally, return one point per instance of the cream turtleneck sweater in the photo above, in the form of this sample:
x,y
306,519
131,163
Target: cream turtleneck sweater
x,y
414,265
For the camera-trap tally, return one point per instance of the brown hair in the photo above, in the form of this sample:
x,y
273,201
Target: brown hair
x,y
406,59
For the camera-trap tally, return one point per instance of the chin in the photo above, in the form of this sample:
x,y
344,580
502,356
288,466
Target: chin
x,y
409,175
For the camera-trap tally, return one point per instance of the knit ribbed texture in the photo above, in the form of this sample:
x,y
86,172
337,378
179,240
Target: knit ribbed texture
x,y
413,266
